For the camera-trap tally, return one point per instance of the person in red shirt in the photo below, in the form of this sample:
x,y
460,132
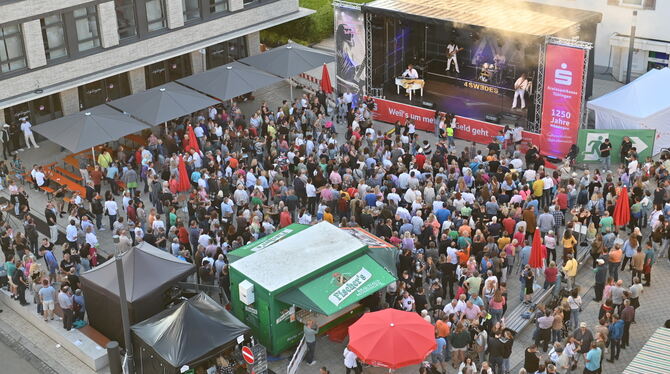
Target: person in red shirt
x,y
562,200
550,275
420,159
182,234
285,218
509,224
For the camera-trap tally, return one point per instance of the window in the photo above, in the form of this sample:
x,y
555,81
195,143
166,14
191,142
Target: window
x,y
104,90
218,6
12,54
53,34
226,52
640,4
139,18
86,24
168,70
70,34
197,9
38,111
191,9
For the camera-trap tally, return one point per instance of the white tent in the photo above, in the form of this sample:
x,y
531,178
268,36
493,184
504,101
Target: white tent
x,y
641,104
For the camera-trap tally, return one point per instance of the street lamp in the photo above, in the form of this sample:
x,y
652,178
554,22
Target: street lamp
x,y
631,47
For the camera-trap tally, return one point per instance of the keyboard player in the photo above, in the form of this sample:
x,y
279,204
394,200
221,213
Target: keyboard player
x,y
410,73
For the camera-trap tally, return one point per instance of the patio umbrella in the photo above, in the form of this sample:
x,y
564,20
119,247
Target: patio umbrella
x,y
163,103
91,127
622,208
538,252
392,338
326,85
289,60
230,80
192,141
184,183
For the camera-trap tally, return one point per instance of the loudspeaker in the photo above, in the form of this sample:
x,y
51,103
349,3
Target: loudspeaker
x,y
428,104
493,118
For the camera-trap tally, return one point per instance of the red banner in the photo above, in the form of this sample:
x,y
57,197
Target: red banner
x,y
391,111
483,132
562,99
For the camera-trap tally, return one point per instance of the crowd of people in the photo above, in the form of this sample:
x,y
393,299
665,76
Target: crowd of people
x,y
463,222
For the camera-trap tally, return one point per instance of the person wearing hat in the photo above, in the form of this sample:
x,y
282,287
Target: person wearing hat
x,y
601,276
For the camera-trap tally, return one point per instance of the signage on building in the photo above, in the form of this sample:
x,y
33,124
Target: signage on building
x,y
349,286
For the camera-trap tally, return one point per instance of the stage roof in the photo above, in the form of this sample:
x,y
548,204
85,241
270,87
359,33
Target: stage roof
x,y
505,15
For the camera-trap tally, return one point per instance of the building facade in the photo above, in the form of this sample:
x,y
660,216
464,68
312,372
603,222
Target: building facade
x,y
59,57
652,42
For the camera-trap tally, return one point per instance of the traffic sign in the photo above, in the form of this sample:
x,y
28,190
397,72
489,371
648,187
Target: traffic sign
x,y
248,355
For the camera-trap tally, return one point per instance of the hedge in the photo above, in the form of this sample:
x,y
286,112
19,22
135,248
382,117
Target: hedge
x,y
307,30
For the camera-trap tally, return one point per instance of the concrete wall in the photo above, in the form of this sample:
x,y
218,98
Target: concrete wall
x,y
109,33
254,43
33,44
29,8
138,80
197,62
69,100
651,24
112,57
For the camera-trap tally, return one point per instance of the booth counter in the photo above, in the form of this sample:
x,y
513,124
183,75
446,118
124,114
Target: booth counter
x,y
301,273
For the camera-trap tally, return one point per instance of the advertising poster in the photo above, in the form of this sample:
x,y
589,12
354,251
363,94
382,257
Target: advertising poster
x,y
350,48
562,99
590,141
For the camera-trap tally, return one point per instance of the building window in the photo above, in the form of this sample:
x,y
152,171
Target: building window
x,y
191,9
218,6
197,9
104,90
53,34
38,111
12,54
86,24
168,70
226,52
139,18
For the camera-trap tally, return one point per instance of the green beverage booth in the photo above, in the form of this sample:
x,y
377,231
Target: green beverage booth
x,y
301,272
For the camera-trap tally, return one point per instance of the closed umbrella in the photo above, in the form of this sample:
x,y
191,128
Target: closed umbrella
x,y
538,252
622,208
392,338
326,85
184,183
192,141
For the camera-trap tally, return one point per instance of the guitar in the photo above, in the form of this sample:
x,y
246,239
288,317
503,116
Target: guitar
x,y
453,53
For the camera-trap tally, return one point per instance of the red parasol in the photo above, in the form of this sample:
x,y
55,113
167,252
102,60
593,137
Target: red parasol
x,y
622,208
192,141
184,183
538,252
326,86
392,338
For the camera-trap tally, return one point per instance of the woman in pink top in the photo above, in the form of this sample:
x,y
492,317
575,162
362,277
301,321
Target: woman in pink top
x,y
496,305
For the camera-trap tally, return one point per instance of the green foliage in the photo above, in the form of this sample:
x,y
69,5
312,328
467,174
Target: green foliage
x,y
308,30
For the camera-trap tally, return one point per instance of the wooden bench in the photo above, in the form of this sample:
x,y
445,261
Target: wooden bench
x,y
71,186
137,139
48,190
514,320
68,174
72,161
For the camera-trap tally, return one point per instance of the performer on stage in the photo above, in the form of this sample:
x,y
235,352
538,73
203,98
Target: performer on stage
x,y
452,52
520,87
410,73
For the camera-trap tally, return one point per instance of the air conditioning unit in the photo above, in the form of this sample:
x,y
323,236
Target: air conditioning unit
x,y
247,295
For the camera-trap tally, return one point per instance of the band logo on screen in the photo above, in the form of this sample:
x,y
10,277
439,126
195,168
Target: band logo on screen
x,y
562,103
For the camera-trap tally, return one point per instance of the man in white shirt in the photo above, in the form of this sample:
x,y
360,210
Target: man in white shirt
x,y
71,234
348,99
411,73
452,56
112,210
39,177
350,361
28,133
212,113
520,87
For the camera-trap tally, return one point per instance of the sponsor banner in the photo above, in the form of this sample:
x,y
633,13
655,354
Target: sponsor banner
x,y
562,99
350,286
483,132
391,111
590,141
350,48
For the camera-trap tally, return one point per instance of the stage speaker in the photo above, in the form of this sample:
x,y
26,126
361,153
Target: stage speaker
x,y
493,118
427,104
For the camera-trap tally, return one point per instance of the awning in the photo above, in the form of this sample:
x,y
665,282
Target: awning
x,y
338,288
653,358
289,60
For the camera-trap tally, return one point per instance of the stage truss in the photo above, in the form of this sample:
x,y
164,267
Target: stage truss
x,y
539,90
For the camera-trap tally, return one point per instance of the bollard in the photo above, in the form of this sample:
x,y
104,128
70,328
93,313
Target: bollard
x,y
114,356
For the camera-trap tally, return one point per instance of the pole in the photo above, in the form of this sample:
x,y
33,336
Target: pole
x,y
631,47
125,319
93,152
291,87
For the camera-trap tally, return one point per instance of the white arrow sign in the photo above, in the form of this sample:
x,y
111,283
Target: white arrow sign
x,y
638,144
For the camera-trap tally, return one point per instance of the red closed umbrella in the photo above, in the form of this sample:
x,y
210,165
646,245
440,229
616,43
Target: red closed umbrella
x,y
538,252
392,338
326,85
192,141
622,208
183,181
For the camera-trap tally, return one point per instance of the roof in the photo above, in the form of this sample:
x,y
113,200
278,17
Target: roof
x,y
190,330
529,18
640,99
266,241
298,256
145,268
653,357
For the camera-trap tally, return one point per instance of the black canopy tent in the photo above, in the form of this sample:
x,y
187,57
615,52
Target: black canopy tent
x,y
186,334
163,103
148,273
230,80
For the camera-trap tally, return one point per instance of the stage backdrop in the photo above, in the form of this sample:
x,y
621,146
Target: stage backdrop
x,y
562,99
590,141
350,47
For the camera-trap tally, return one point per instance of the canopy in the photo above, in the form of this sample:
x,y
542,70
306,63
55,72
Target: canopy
x,y
289,60
641,104
338,288
188,332
163,103
91,127
229,81
148,273
653,357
